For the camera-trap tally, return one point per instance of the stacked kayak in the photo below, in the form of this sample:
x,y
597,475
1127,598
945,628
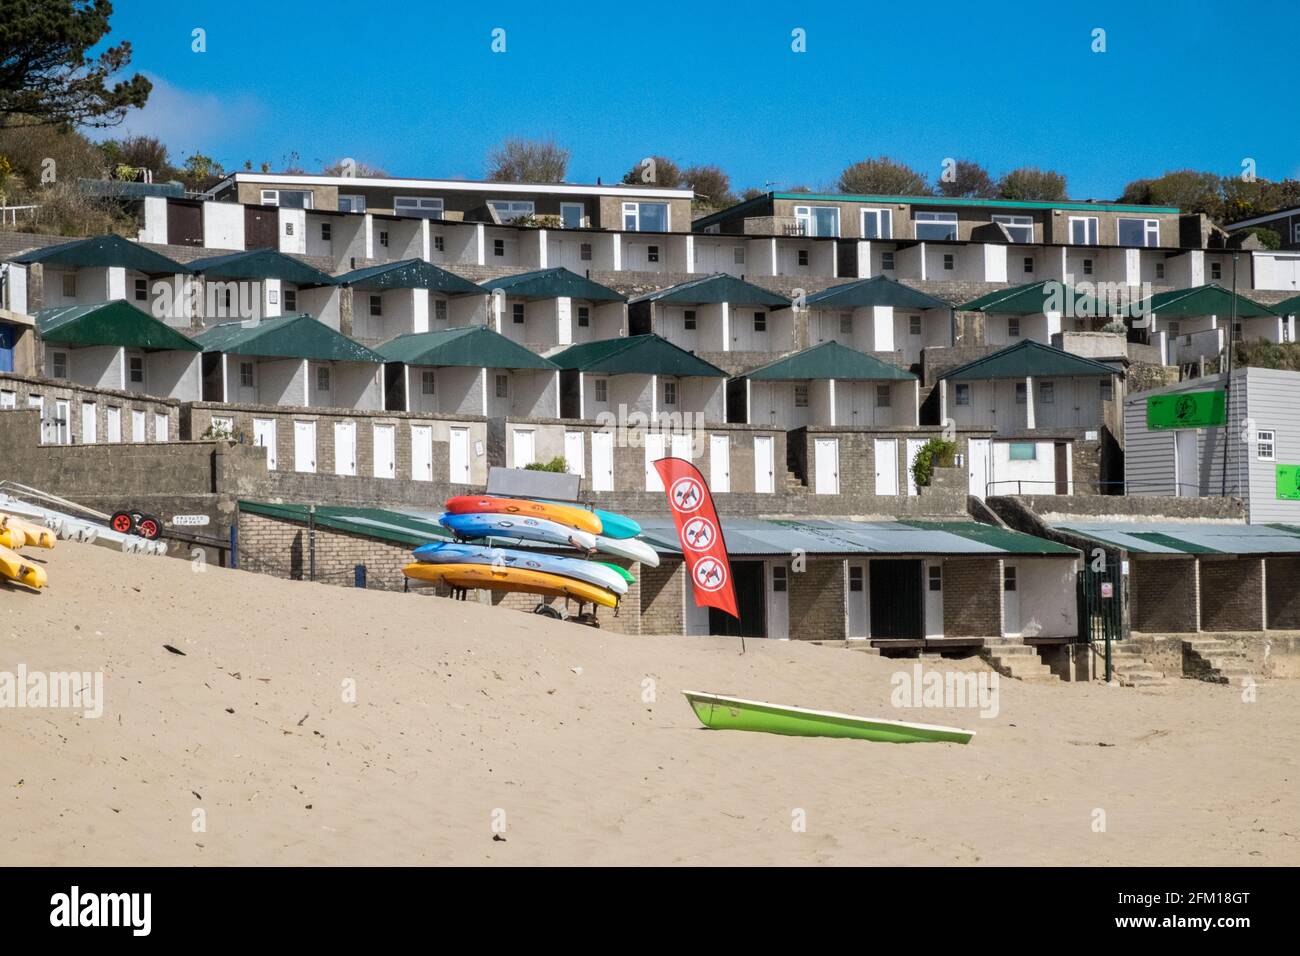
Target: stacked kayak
x,y
486,526
16,533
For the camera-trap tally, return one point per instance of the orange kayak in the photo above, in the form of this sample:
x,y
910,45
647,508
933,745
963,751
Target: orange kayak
x,y
568,515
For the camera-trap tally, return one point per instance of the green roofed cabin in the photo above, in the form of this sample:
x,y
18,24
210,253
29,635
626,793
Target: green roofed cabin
x,y
263,283
553,308
1039,311
115,345
716,313
91,272
1188,325
469,371
828,384
642,374
411,296
290,360
880,316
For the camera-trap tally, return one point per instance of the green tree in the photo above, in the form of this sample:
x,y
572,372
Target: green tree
x,y
140,152
199,171
712,186
970,181
659,171
46,78
884,177
1030,183
518,160
1189,190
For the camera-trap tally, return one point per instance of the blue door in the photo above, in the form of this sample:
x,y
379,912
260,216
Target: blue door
x,y
6,348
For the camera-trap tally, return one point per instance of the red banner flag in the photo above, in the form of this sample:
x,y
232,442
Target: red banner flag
x,y
700,534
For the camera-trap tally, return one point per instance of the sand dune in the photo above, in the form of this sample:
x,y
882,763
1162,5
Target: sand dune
x,y
463,712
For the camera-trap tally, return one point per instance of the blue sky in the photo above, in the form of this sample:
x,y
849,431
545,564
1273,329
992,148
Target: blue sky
x,y
415,89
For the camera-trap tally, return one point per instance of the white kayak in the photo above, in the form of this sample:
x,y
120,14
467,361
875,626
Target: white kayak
x,y
489,525
590,571
634,549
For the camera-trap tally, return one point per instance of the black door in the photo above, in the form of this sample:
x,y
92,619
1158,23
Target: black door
x,y
751,601
184,223
261,228
570,394
896,599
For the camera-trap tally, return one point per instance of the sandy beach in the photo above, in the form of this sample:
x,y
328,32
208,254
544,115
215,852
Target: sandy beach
x,y
578,742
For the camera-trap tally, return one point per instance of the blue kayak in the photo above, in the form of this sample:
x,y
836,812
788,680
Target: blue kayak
x,y
485,525
588,571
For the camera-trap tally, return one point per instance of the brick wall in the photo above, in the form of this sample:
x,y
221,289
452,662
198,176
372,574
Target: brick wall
x,y
972,597
1232,594
1282,579
816,602
104,398
662,591
282,549
1163,595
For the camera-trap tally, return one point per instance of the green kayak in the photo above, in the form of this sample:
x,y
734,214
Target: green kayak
x,y
734,713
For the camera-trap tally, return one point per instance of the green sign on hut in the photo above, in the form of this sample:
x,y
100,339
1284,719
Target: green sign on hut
x,y
1187,410
1288,482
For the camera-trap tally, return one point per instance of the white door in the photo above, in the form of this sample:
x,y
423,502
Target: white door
x,y
385,451
683,447
1185,454
654,450
886,466
38,402
162,426
525,447
933,585
764,480
459,452
345,448
422,453
778,600
575,453
304,446
62,424
826,458
8,399
264,437
113,424
858,626
1010,600
977,453
914,446
719,463
88,422
602,461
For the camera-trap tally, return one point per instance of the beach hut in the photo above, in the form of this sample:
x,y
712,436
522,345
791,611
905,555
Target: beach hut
x,y
881,316
555,307
716,313
411,296
262,283
94,271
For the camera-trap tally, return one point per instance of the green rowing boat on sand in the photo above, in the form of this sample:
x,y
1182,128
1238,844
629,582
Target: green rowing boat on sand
x,y
734,713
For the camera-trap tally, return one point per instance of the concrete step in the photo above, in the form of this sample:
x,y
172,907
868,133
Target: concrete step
x,y
1018,661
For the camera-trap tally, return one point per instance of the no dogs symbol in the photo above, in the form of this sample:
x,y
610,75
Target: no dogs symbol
x,y
687,494
710,574
698,534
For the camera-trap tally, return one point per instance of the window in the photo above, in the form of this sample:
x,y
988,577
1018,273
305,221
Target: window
x,y
1087,267
1009,577
376,305
1266,444
846,323
963,394
136,370
803,257
508,210
1139,232
440,310
417,206
1022,393
738,255
383,238
584,252
934,576
1160,270
69,285
1013,327
59,364
517,313
652,253
949,261
323,379
688,320
352,203
886,262
498,247
288,228
428,382
572,214
855,578
1106,389
801,396
1047,393
1029,264
326,232
760,321
780,577
936,225
141,290
273,296
1019,228
645,216
1083,230
877,224
1022,451
503,386
670,393
584,316
290,300
1173,329
245,374
439,245
288,198
883,396
817,220
1216,270
601,389
913,325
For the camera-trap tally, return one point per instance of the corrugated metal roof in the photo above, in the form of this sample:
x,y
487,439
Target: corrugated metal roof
x,y
829,360
553,284
712,289
635,354
286,336
1211,299
1025,359
1035,298
102,252
877,290
475,346
408,274
394,526
1174,537
260,264
117,323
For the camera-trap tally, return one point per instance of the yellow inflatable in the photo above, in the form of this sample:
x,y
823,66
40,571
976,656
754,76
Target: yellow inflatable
x,y
20,570
494,578
26,532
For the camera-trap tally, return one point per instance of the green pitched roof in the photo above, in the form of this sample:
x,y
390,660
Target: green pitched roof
x,y
877,290
1034,298
644,354
1289,306
408,274
1212,299
829,360
286,336
260,264
712,289
117,323
102,252
1025,359
396,526
552,284
475,346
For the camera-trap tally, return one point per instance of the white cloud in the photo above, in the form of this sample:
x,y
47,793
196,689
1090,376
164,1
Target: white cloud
x,y
187,121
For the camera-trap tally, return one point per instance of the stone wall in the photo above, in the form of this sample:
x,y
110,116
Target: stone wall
x,y
662,593
1232,594
1282,585
972,597
1163,595
816,602
53,391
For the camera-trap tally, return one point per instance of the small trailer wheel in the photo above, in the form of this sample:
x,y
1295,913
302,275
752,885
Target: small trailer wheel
x,y
122,522
149,527
546,610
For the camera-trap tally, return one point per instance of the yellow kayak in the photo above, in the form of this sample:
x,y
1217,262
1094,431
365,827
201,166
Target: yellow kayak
x,y
497,578
569,515
20,570
34,534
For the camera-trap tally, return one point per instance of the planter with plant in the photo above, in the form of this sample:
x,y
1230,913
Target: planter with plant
x,y
936,453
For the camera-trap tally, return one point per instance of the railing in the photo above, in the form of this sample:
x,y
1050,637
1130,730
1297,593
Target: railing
x,y
1094,487
9,214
